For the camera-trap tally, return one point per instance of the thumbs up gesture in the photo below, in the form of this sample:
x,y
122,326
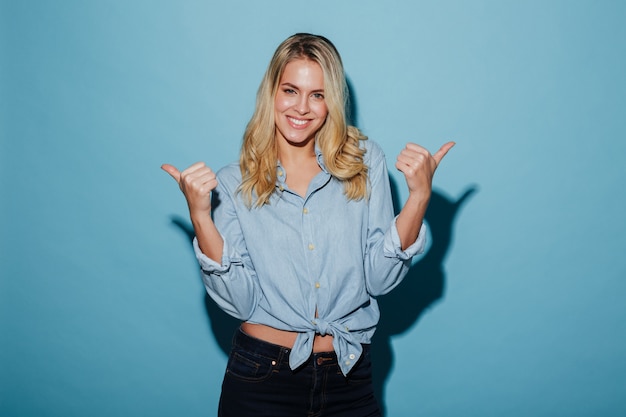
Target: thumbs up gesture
x,y
418,166
196,183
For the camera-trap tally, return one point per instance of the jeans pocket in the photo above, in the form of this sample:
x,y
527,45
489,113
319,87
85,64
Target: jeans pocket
x,y
248,366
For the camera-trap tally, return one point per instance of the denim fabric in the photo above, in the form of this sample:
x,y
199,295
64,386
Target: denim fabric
x,y
259,382
310,264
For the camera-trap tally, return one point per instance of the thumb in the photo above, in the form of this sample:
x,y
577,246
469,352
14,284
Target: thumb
x,y
172,170
438,156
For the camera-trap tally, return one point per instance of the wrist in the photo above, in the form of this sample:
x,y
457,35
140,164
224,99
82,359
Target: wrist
x,y
419,197
199,216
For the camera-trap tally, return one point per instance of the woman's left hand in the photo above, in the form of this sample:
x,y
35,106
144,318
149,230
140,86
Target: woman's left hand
x,y
418,167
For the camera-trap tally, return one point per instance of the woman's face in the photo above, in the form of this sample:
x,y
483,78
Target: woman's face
x,y
299,106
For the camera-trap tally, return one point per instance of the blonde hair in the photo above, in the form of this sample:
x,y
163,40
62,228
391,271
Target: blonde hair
x,y
338,141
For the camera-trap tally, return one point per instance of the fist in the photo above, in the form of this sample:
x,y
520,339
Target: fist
x,y
196,183
418,166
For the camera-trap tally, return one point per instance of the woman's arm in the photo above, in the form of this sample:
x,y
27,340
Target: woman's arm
x,y
228,275
392,242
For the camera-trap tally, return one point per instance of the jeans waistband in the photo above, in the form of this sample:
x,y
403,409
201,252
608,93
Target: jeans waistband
x,y
258,346
276,352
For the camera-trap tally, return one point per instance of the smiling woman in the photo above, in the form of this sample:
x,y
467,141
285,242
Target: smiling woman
x,y
303,240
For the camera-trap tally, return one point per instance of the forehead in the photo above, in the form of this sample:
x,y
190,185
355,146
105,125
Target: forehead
x,y
303,71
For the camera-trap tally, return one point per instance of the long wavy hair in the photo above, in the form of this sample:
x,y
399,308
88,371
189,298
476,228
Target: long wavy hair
x,y
338,141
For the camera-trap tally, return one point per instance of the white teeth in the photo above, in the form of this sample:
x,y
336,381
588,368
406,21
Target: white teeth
x,y
298,122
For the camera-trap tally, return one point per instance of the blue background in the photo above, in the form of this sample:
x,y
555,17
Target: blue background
x,y
517,309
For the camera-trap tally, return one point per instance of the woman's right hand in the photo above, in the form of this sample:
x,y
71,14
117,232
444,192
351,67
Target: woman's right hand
x,y
196,183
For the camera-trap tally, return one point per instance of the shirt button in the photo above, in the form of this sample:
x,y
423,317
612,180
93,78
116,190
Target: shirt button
x,y
311,246
305,210
280,172
281,188
352,356
317,285
347,362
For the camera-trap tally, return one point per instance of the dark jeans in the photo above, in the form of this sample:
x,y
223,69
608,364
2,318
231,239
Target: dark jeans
x,y
259,382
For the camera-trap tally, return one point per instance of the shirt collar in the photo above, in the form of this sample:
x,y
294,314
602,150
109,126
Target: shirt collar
x,y
280,171
320,158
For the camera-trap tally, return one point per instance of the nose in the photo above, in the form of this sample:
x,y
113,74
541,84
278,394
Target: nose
x,y
302,106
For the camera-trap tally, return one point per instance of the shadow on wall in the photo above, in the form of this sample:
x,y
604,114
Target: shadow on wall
x,y
222,324
423,286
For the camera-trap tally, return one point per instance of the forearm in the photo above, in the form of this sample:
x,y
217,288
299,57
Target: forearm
x,y
209,239
411,217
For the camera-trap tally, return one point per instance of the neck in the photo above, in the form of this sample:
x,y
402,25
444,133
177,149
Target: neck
x,y
294,154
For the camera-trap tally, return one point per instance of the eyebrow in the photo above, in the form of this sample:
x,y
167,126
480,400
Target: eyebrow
x,y
287,84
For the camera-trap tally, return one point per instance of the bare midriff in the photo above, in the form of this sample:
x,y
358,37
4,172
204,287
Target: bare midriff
x,y
285,338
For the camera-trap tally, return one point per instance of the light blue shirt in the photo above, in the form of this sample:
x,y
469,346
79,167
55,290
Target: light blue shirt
x,y
286,260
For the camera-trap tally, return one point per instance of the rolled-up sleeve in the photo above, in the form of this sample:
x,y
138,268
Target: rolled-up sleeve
x,y
393,246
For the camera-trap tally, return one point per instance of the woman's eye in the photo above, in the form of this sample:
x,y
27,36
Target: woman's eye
x,y
289,91
318,96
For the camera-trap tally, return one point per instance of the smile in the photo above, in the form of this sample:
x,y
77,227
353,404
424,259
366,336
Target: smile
x,y
297,122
